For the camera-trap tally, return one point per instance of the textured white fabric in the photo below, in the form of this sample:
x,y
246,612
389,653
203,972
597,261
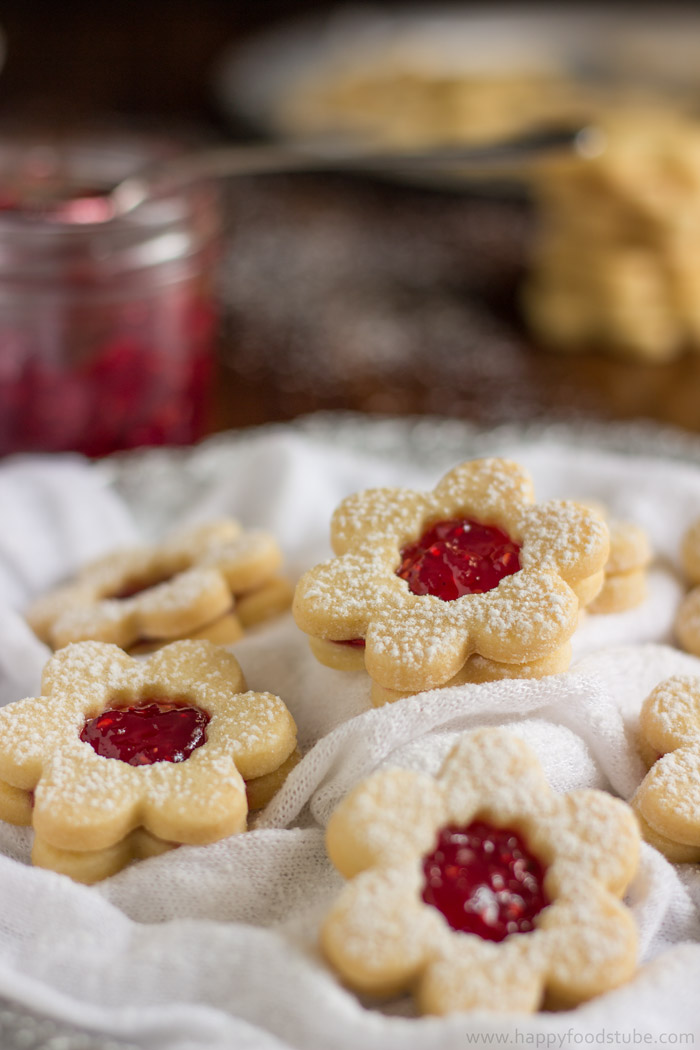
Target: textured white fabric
x,y
216,947
55,514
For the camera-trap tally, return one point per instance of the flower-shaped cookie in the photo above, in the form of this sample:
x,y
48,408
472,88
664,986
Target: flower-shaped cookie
x,y
668,799
115,744
481,888
207,582
424,580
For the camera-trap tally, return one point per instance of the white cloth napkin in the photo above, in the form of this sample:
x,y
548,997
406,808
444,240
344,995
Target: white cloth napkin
x,y
55,514
216,947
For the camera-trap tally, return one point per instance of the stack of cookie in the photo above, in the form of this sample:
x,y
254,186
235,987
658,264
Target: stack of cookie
x,y
687,625
667,801
615,261
121,759
208,582
625,583
471,582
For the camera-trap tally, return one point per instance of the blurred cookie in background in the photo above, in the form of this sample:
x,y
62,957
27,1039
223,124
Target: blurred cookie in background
x,y
615,260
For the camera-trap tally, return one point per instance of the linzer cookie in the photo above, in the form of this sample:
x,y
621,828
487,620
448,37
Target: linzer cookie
x,y
469,582
481,888
121,758
687,625
668,799
625,583
208,582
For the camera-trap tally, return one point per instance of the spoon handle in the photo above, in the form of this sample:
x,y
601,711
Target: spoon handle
x,y
466,161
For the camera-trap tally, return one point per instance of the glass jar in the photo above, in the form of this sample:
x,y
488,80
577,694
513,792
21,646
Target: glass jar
x,y
107,326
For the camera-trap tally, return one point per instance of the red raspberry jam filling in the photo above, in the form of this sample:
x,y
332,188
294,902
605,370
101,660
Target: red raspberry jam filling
x,y
156,730
354,643
127,380
458,557
484,880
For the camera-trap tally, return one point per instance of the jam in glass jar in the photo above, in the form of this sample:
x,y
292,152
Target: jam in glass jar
x,y
107,325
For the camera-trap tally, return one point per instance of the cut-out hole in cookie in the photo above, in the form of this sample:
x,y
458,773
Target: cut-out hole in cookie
x,y
457,557
155,730
484,880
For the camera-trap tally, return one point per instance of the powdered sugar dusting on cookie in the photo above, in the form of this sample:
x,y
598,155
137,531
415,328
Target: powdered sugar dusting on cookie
x,y
668,798
161,592
392,814
670,715
85,801
674,783
384,513
420,641
338,593
586,841
533,611
489,486
565,536
465,977
84,667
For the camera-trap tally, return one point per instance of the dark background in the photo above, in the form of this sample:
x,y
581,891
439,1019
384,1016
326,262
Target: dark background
x,y
83,57
318,262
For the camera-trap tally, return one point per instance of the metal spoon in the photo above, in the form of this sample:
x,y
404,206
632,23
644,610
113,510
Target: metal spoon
x,y
465,162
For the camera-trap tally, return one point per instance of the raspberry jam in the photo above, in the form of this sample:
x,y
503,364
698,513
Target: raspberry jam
x,y
353,643
107,328
458,557
134,375
157,730
484,881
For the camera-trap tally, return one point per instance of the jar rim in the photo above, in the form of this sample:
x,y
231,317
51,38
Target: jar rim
x,y
48,173
33,248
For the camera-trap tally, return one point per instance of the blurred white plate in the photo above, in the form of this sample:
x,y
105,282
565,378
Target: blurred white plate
x,y
655,46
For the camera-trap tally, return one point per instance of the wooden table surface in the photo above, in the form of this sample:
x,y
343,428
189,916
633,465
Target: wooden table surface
x,y
337,293
391,299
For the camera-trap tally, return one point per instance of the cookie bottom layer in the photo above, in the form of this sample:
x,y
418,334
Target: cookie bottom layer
x,y
89,866
251,608
621,591
16,804
338,656
224,630
587,589
260,790
266,601
677,852
478,669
